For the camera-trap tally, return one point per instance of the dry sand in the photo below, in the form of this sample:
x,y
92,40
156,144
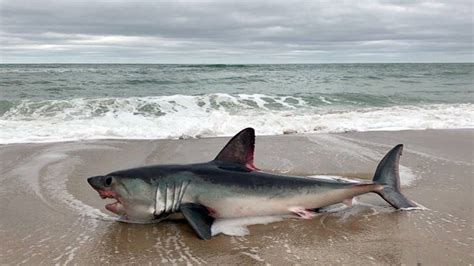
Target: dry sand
x,y
49,214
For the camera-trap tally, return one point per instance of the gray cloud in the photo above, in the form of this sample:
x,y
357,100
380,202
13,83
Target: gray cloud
x,y
216,31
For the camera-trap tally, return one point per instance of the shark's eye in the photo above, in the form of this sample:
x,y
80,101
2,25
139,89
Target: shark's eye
x,y
108,181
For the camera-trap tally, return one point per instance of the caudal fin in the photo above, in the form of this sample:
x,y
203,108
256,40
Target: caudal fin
x,y
387,174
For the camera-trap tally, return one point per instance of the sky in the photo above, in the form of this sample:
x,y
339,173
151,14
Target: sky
x,y
235,32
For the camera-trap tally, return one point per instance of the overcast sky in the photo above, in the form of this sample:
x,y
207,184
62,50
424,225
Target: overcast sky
x,y
277,31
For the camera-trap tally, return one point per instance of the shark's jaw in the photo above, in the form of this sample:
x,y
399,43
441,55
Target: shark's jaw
x,y
116,207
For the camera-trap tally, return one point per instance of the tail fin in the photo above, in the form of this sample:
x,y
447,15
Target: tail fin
x,y
387,174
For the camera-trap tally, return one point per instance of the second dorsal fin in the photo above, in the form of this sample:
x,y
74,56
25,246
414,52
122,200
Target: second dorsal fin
x,y
240,149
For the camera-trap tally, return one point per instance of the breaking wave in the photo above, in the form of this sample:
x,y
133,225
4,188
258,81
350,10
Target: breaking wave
x,y
185,116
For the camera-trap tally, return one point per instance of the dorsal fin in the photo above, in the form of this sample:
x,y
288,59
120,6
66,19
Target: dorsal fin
x,y
240,149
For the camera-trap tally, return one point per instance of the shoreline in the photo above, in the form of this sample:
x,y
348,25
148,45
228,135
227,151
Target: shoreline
x,y
47,205
229,136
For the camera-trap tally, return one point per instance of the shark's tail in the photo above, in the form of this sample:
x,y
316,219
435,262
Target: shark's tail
x,y
387,174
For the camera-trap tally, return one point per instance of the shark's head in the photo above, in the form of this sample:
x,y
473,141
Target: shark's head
x,y
134,197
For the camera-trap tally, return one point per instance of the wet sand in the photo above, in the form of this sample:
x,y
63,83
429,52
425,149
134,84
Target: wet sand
x,y
49,214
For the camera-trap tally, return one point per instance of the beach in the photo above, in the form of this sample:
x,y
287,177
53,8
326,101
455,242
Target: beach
x,y
114,116
49,214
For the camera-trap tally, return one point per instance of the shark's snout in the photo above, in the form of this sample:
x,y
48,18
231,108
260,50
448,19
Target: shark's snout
x,y
95,182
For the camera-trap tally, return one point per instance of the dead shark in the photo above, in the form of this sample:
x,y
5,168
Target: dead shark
x,y
231,186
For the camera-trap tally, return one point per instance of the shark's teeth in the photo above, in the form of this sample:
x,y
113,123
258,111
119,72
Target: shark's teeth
x,y
104,194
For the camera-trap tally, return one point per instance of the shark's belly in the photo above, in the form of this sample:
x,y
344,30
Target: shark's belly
x,y
272,202
258,206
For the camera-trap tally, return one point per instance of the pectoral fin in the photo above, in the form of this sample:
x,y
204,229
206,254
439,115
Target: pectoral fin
x,y
199,218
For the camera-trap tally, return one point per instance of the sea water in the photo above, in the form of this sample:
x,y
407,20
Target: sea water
x,y
40,103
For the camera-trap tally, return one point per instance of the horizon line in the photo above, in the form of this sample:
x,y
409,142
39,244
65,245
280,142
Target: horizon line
x,y
211,64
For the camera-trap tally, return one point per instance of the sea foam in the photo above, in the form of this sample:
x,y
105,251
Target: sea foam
x,y
210,115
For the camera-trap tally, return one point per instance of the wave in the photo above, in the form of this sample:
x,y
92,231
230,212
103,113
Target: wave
x,y
185,116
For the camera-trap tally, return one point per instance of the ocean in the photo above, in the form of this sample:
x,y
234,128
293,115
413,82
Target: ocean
x,y
49,103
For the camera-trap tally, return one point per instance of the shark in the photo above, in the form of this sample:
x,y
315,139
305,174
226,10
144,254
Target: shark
x,y
231,186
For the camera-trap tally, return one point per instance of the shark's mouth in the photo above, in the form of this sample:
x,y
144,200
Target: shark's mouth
x,y
115,207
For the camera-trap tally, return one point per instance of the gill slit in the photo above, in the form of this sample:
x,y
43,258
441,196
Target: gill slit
x,y
166,198
173,196
184,187
156,200
177,195
173,201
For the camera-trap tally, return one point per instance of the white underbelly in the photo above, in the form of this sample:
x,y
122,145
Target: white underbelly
x,y
258,206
